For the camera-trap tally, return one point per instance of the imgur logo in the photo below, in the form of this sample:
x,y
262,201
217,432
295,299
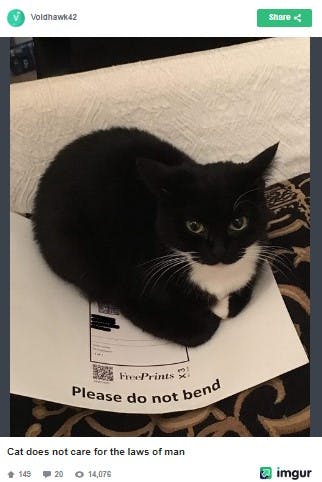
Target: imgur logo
x,y
266,473
293,474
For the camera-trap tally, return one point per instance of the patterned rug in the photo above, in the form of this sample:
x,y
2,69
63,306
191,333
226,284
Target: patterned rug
x,y
278,407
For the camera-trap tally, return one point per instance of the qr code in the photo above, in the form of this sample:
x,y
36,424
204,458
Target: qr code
x,y
108,309
103,373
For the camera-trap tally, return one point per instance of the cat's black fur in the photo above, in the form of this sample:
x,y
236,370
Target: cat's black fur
x,y
116,199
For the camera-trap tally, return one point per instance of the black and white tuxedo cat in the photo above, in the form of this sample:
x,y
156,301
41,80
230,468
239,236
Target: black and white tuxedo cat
x,y
131,220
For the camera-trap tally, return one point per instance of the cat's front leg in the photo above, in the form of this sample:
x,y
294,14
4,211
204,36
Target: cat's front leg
x,y
221,308
196,328
185,325
239,299
233,304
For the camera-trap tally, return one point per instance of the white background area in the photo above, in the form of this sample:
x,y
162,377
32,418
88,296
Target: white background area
x,y
223,104
224,459
153,19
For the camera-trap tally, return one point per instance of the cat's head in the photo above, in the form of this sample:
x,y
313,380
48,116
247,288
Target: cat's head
x,y
214,211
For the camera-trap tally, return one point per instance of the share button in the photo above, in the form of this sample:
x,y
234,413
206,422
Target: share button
x,y
283,17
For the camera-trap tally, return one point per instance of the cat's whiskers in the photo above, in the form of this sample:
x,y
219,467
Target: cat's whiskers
x,y
281,256
183,264
159,258
158,275
283,261
275,267
161,263
277,247
160,271
175,254
274,246
159,267
154,262
186,266
276,257
272,262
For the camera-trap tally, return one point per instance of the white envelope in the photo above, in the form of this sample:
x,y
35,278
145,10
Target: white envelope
x,y
67,351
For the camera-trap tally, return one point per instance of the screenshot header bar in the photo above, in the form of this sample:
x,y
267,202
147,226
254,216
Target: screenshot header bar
x,y
283,18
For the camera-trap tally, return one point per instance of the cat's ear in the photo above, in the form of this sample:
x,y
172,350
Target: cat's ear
x,y
262,162
154,175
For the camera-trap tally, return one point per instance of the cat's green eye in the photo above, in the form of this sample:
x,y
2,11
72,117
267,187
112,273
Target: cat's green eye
x,y
238,224
195,227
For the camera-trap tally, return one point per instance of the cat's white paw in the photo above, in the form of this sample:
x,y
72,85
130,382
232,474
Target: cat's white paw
x,y
221,308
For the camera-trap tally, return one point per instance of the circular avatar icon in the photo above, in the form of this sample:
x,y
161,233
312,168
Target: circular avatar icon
x,y
16,17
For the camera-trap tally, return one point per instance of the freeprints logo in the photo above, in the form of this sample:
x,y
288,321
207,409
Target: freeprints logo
x,y
266,473
15,18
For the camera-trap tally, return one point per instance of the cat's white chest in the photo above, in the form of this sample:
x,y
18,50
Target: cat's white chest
x,y
222,279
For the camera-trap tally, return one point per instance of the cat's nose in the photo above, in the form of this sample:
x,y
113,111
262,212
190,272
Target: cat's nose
x,y
218,249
